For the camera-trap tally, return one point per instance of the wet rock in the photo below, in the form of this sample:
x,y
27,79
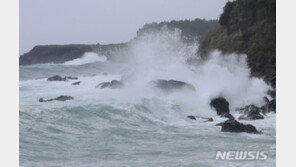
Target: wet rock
x,y
191,117
56,78
173,85
114,84
41,100
210,120
270,106
60,98
221,106
206,118
272,93
237,127
227,115
59,78
103,85
76,83
64,98
250,112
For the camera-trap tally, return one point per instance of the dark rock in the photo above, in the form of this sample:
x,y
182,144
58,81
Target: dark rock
x,y
210,120
191,117
60,98
237,127
56,78
173,85
76,83
266,99
206,118
219,124
250,112
59,78
250,117
41,100
64,98
103,85
272,93
114,84
221,106
270,106
227,115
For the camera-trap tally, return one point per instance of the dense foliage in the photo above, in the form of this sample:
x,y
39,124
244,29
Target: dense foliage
x,y
247,26
191,29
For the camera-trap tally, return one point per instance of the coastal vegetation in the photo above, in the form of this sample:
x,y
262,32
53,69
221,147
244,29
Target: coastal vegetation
x,y
247,27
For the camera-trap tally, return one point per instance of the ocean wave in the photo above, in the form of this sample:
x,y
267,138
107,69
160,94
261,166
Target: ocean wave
x,y
88,57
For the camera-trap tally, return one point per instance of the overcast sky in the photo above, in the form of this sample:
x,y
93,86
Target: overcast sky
x,y
102,21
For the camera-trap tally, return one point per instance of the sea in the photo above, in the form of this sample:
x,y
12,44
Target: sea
x,y
139,125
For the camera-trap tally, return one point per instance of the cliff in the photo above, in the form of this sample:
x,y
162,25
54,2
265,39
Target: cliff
x,y
249,27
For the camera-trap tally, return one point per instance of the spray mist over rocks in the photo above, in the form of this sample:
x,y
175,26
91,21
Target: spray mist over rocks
x,y
88,57
100,124
163,55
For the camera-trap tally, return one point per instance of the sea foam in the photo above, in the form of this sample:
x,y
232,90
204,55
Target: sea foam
x,y
88,57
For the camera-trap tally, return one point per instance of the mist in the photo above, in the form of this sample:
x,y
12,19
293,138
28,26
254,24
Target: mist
x,y
163,55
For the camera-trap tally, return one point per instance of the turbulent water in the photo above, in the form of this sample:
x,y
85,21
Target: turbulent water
x,y
139,125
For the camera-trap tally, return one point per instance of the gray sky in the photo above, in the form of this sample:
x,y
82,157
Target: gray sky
x,y
104,21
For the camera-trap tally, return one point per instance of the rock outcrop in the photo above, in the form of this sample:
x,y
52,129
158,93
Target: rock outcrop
x,y
76,83
191,117
114,84
59,78
237,127
221,106
206,119
250,112
270,106
60,98
56,78
209,120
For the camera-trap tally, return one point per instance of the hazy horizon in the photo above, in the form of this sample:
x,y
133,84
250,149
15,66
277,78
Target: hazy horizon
x,y
91,22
